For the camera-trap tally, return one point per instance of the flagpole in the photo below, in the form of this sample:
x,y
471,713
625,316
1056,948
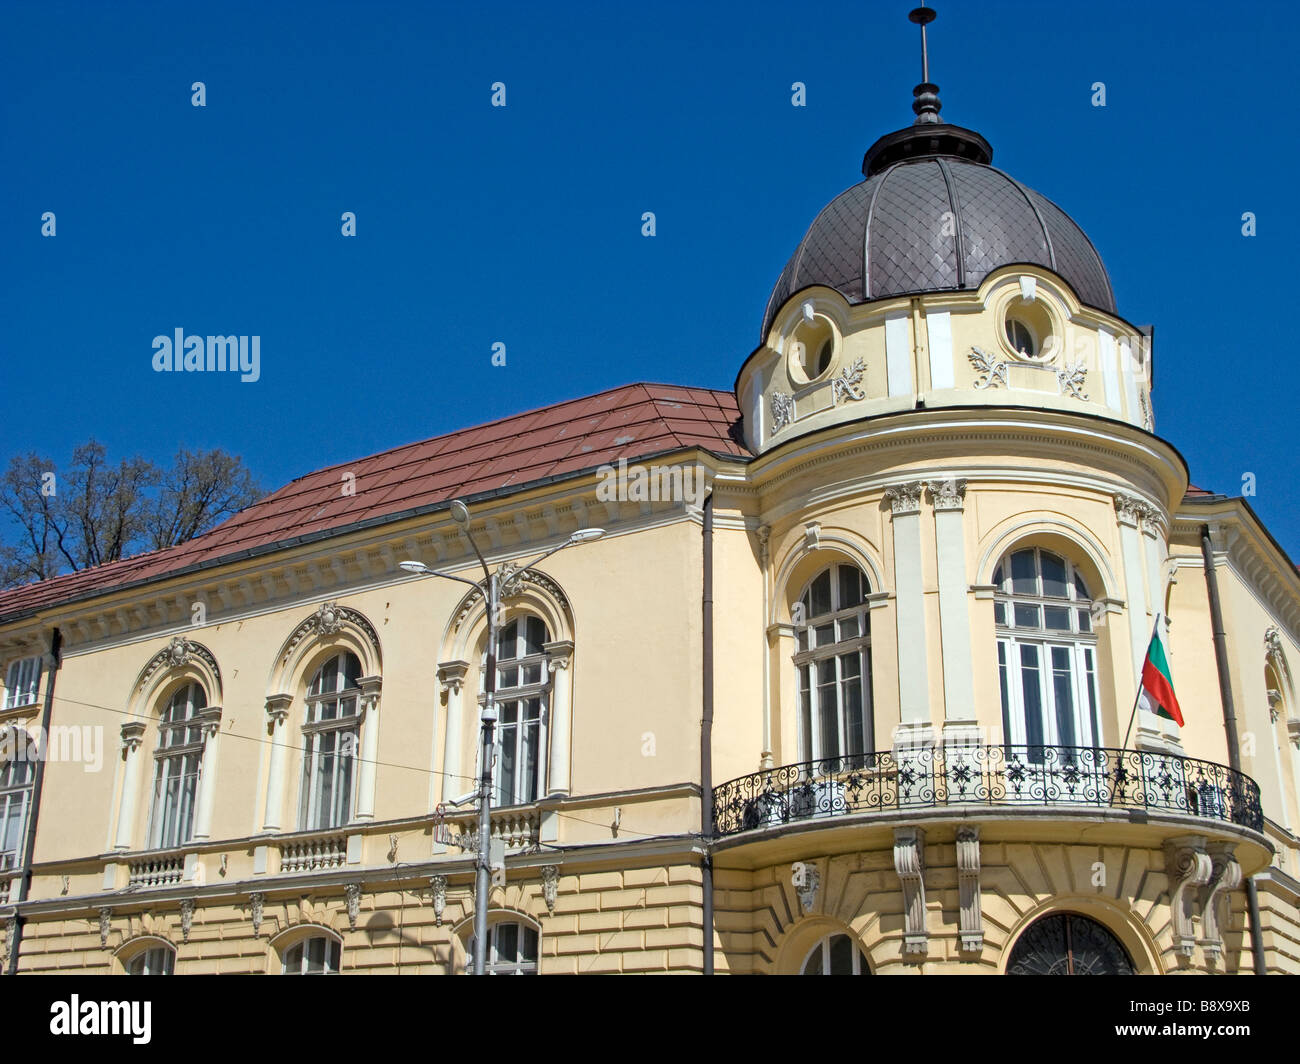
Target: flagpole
x,y
1138,697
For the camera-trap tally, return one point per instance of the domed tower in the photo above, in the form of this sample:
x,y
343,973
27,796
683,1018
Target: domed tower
x,y
946,398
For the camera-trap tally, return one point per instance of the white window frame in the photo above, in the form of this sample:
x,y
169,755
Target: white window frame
x,y
511,739
837,651
516,964
16,776
860,964
341,731
23,682
298,955
155,960
1069,653
178,759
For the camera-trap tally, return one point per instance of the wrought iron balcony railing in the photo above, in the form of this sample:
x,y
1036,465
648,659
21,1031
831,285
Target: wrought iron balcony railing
x,y
923,777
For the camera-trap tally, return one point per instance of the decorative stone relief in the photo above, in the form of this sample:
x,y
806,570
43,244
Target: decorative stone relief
x,y
1224,878
1148,422
847,385
559,654
451,675
807,884
179,652
905,498
992,371
550,886
187,918
1135,512
257,903
277,709
909,863
352,893
105,925
11,936
511,581
971,921
328,619
369,687
782,411
948,494
1072,379
438,887
1188,867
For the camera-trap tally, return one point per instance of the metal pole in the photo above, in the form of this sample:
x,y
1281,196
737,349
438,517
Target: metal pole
x,y
483,882
706,736
1230,726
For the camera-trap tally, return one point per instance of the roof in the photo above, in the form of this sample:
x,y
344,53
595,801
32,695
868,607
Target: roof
x,y
937,223
631,422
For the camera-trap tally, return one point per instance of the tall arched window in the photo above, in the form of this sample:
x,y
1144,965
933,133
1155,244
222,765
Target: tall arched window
x,y
1047,652
1068,944
522,691
836,955
833,662
176,768
331,734
17,770
512,949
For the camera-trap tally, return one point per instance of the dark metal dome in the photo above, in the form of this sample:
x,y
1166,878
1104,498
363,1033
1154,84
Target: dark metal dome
x,y
932,216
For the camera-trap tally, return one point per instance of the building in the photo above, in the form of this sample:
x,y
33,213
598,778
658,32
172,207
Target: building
x,y
847,686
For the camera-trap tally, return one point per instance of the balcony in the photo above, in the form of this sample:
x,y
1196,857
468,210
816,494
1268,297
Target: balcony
x,y
516,827
927,777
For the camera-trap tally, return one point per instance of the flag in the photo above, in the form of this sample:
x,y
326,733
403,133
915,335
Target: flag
x,y
1157,693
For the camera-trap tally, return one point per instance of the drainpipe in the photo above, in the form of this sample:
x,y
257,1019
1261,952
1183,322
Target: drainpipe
x,y
706,737
1230,725
38,783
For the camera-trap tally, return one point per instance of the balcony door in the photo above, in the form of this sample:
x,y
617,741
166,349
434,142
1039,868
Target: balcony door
x,y
1047,654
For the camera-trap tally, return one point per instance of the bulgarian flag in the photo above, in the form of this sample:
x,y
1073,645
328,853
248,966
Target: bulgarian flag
x,y
1157,693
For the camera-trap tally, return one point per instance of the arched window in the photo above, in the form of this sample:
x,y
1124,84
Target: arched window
x,y
512,949
176,768
17,769
1068,944
522,690
155,960
318,955
833,662
22,682
331,734
1047,652
836,955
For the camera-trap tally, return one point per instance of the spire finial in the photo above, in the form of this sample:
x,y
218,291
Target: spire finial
x,y
926,105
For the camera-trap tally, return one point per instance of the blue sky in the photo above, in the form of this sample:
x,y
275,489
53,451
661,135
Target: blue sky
x,y
522,224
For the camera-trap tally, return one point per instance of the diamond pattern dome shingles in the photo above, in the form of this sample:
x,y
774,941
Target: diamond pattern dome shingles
x,y
908,243
890,231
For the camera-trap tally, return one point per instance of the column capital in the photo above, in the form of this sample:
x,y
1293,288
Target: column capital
x,y
209,720
559,653
132,735
277,708
949,494
905,498
370,686
451,675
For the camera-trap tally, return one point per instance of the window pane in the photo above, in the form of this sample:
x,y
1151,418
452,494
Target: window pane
x,y
1000,613
814,964
508,642
1032,695
536,635
1054,585
805,712
824,635
528,945
1080,588
841,955
1005,692
849,628
1085,620
850,587
820,594
1024,573
1057,618
507,943
1063,695
1028,616
851,667
827,709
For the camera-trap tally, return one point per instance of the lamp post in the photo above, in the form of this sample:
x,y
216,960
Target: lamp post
x,y
491,586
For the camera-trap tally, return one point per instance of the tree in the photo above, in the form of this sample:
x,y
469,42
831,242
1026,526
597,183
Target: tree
x,y
100,512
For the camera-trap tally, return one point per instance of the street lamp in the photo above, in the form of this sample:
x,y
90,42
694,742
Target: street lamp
x,y
492,594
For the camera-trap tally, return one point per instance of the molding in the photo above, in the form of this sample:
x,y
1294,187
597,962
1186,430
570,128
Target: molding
x,y
277,709
451,675
329,619
132,735
909,863
559,654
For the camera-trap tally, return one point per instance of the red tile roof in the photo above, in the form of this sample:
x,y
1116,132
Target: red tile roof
x,y
632,422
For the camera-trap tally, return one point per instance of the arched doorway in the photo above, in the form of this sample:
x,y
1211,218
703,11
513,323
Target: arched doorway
x,y
1068,944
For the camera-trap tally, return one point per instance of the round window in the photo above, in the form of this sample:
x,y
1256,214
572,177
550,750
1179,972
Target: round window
x,y
1027,330
811,351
